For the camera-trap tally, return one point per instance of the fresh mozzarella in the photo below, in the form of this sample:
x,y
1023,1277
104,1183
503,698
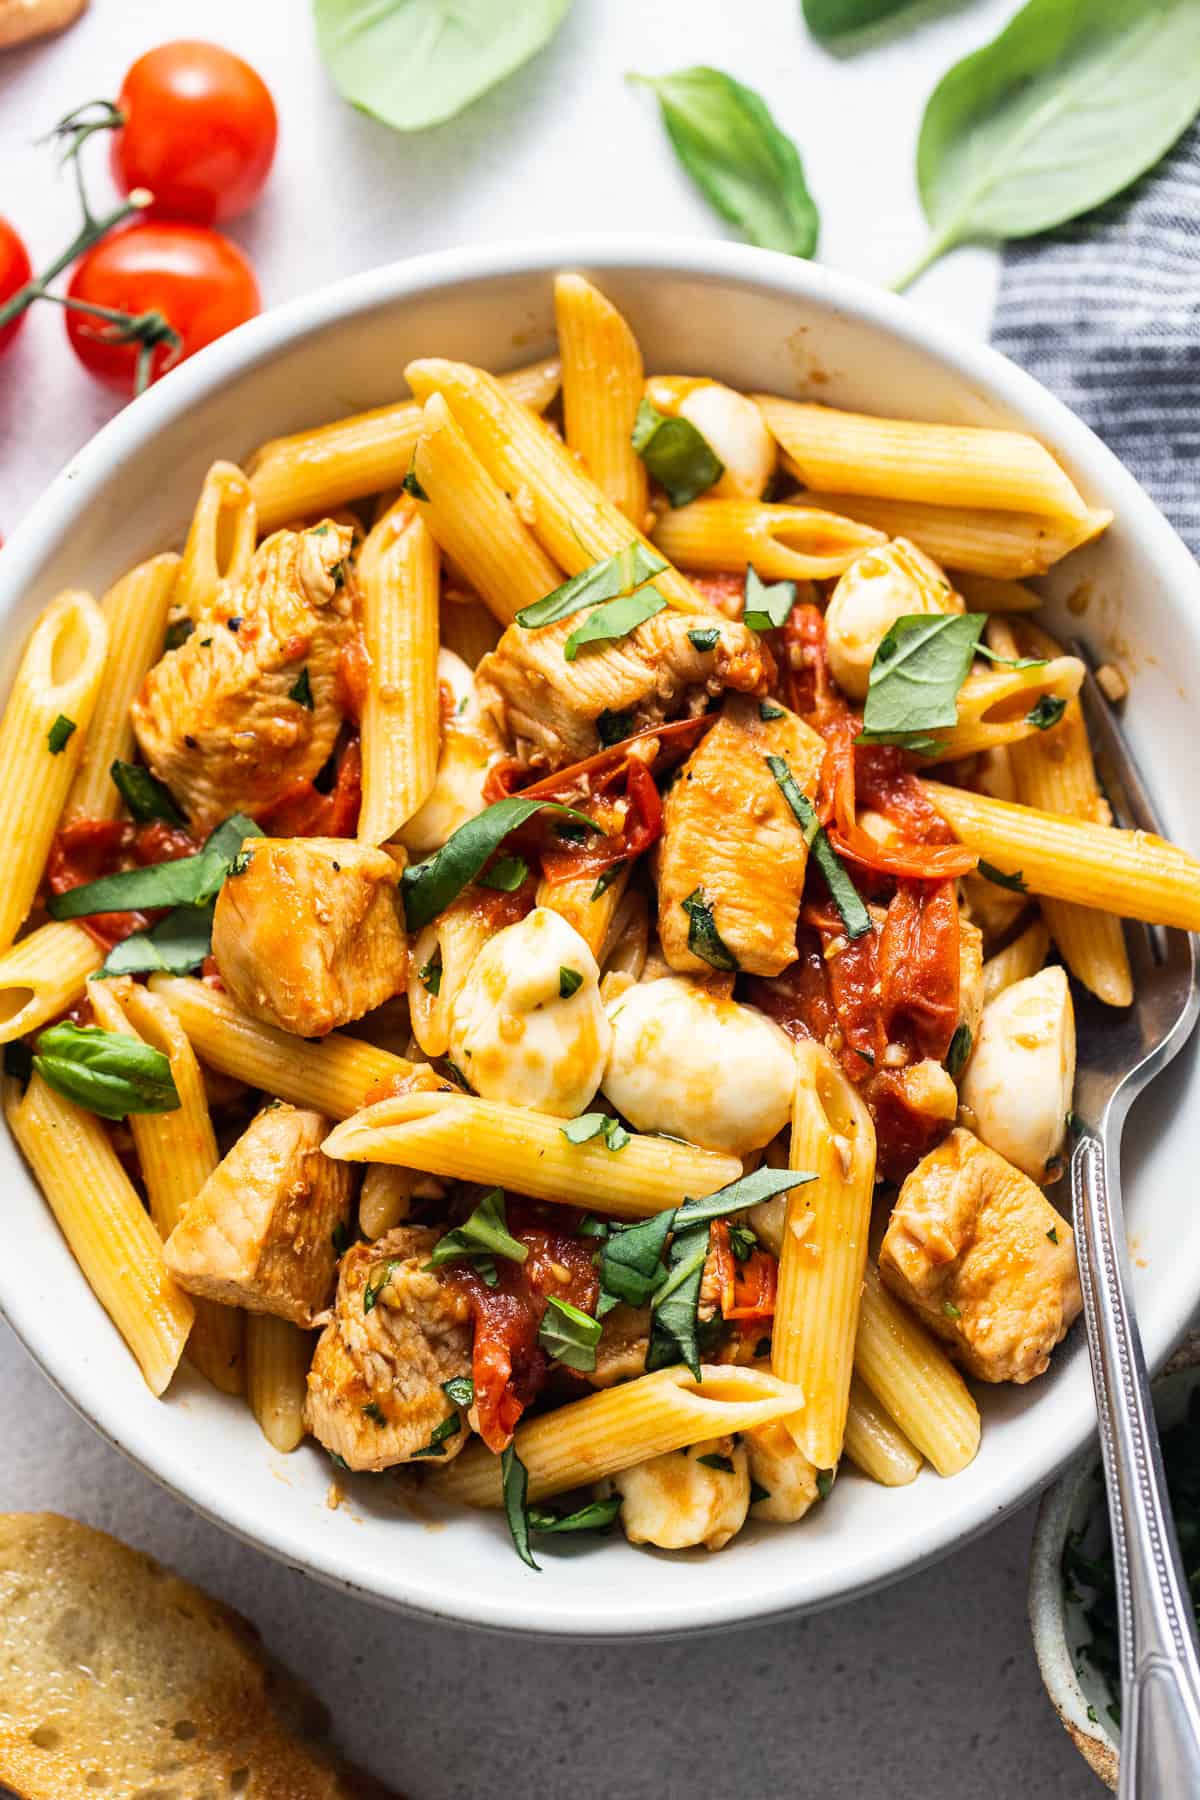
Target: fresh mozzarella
x,y
734,430
680,1499
689,1062
517,1034
1019,1080
879,587
787,1479
469,748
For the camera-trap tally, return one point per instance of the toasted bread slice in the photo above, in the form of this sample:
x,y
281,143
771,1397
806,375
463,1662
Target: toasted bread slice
x,y
120,1679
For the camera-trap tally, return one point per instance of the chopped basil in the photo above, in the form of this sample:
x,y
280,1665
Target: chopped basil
x,y
619,574
596,1124
678,456
704,940
59,732
615,1135
631,1261
1011,662
767,712
614,620
916,675
614,727
430,974
484,1235
505,875
959,1051
591,1226
742,1242
410,485
459,1390
724,1463
340,1238
144,795
569,982
951,1311
825,1482
377,1280
842,891
1052,1234
302,691
18,1062
1047,713
758,1492
430,886
105,1072
675,1303
569,1336
375,1413
748,1190
605,880
177,945
178,632
571,831
597,1516
450,1427
189,881
514,1482
767,608
991,873
706,638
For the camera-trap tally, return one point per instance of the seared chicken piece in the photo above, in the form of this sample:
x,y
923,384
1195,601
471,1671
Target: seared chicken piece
x,y
259,1234
547,707
785,1479
729,834
376,1388
247,704
978,1250
621,1352
307,932
686,1497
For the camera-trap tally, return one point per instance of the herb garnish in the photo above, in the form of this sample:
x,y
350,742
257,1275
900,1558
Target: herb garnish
x,y
105,1072
605,880
505,875
678,456
178,632
339,1237
596,1124
767,712
705,638
597,1516
59,732
376,1281
1047,713
514,1481
480,1238
845,896
189,881
302,691
915,678
430,886
430,974
767,607
704,940
951,1311
959,1051
616,619
614,727
569,982
411,485
375,1413
1052,1234
989,871
144,795
460,1390
825,1482
612,578
569,1335
177,945
450,1427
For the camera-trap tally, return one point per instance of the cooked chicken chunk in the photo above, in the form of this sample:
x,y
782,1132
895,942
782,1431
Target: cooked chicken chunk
x,y
786,1479
259,1234
247,705
307,932
686,1497
376,1389
548,708
621,1352
984,1258
730,836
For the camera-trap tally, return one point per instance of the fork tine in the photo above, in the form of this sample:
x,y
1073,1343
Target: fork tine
x,y
1127,792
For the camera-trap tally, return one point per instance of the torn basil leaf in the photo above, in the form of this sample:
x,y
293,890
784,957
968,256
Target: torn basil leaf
x,y
767,712
485,1233
411,485
177,945
674,1305
845,896
569,1335
189,881
704,940
825,1482
617,575
605,880
429,887
678,456
450,1427
748,1190
1011,662
631,1261
569,982
706,638
959,1051
376,1281
616,619
505,875
596,1124
1047,713
514,1483
146,798
302,691
430,974
598,1515
178,632
758,1492
767,607
459,1390
989,871
614,727
105,1072
58,734
916,675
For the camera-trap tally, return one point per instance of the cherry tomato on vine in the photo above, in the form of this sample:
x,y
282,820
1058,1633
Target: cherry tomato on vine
x,y
198,281
15,271
199,131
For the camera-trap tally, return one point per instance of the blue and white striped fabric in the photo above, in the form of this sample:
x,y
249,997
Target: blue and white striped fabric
x,y
1106,313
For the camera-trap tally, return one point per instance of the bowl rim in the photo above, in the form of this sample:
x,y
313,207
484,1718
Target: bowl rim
x,y
227,360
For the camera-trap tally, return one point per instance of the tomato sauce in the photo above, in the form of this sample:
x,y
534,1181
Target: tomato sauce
x,y
86,849
302,810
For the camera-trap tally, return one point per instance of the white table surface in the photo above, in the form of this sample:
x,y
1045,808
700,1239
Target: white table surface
x,y
930,1686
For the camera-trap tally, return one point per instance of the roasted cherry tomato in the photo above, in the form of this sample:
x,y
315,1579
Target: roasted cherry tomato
x,y
199,131
196,279
15,271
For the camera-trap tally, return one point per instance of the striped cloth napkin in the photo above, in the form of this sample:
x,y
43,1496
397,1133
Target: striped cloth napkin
x,y
1106,313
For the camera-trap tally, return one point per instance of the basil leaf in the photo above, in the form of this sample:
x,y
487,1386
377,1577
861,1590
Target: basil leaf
x,y
178,632
596,1124
486,1232
622,573
450,1427
845,896
1070,104
680,459
376,1281
704,940
569,1335
598,1516
1047,713
1011,662
190,881
105,1072
631,1261
951,1311
606,879
767,712
742,163
673,1324
430,975
836,18
569,982
144,795
704,639
742,1241
916,674
514,1482
959,1051
177,945
412,485
460,1390
616,619
430,886
505,875
990,873
58,734
302,691
748,1190
767,608
615,1135
825,1482
614,727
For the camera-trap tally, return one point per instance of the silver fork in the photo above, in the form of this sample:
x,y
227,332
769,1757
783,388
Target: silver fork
x,y
1118,1055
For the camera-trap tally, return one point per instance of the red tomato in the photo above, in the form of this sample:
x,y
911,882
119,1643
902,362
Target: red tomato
x,y
199,131
15,271
200,282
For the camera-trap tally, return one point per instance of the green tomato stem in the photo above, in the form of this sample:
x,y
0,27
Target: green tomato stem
x,y
89,233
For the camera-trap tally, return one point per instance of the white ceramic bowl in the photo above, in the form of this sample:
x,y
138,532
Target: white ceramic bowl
x,y
760,321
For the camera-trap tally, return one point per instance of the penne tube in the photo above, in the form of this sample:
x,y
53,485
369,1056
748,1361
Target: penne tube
x,y
332,1076
990,594
589,1439
782,543
602,382
824,1250
135,611
569,515
43,975
475,522
177,1152
994,707
1132,873
914,1380
53,692
874,1442
900,459
465,1139
313,471
401,713
1024,956
220,540
468,628
1008,546
441,960
577,901
109,1233
278,1354
385,1198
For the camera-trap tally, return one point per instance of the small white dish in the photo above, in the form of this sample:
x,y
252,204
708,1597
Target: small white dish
x,y
760,321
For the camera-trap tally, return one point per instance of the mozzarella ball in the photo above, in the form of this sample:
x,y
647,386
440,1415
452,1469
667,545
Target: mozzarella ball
x,y
678,1500
469,748
689,1062
789,1479
1020,1078
514,1032
734,429
879,587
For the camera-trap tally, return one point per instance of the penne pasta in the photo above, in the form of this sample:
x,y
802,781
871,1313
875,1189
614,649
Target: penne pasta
x,y
441,960
41,740
332,1076
874,1442
277,1357
1132,873
384,1198
602,380
468,628
589,1439
782,543
105,1224
914,1380
577,901
135,611
824,1250
991,594
1024,956
997,707
43,975
943,465
572,519
220,540
312,471
401,713
465,1139
476,523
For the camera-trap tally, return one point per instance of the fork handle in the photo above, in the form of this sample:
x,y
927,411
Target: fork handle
x,y
1160,1668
